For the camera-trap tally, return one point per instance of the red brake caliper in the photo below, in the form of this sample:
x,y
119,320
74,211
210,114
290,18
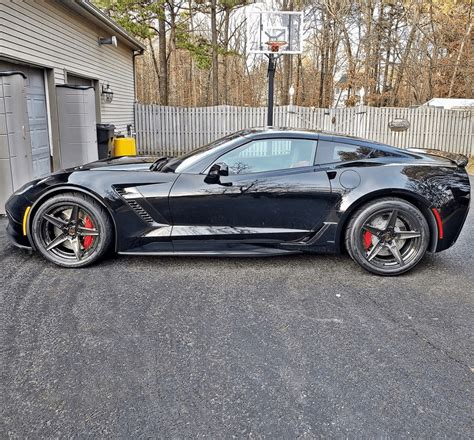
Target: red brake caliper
x,y
367,239
88,239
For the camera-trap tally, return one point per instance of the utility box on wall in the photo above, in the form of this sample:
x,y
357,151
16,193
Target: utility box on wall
x,y
77,125
16,165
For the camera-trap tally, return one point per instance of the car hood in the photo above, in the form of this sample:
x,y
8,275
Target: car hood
x,y
123,163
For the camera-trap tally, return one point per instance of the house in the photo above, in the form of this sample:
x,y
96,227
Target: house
x,y
55,43
341,93
450,103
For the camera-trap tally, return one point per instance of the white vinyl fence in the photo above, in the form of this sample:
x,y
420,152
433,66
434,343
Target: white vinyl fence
x,y
175,130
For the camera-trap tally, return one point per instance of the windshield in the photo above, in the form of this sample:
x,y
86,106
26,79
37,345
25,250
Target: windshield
x,y
180,163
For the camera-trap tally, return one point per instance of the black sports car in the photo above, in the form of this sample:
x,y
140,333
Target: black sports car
x,y
254,193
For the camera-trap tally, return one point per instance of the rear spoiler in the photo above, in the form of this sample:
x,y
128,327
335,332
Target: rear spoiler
x,y
459,159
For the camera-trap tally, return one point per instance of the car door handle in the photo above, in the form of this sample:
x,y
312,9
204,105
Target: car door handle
x,y
331,174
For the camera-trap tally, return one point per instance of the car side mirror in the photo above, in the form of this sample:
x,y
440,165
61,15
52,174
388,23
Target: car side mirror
x,y
216,171
219,169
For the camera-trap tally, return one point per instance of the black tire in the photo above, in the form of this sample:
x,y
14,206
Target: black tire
x,y
72,230
388,236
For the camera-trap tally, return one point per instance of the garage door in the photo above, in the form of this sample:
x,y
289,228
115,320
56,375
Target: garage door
x,y
38,119
37,116
15,146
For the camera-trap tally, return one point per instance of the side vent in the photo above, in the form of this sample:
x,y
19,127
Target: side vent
x,y
126,194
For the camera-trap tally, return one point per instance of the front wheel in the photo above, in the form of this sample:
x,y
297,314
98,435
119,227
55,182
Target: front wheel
x,y
388,236
71,230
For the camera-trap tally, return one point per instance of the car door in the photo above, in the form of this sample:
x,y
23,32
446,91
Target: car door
x,y
272,194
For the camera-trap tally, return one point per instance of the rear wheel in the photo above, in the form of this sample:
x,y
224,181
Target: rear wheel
x,y
72,230
387,237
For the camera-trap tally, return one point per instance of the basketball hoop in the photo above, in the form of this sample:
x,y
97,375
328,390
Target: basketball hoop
x,y
274,34
275,45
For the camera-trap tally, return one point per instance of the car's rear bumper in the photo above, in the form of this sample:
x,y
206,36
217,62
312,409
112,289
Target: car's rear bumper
x,y
454,211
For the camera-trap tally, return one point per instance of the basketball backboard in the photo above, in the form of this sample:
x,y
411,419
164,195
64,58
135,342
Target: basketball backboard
x,y
282,27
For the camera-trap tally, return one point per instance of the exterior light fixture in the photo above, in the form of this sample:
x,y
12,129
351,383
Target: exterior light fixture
x,y
107,94
108,41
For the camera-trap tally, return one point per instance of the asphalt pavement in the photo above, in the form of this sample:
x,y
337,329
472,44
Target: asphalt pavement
x,y
285,347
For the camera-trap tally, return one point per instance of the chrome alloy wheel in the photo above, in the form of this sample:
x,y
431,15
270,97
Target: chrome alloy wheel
x,y
69,231
390,238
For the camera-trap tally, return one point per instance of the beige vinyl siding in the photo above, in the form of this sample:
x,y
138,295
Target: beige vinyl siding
x,y
48,34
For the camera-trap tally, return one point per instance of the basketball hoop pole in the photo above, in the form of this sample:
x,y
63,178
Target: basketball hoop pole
x,y
272,61
273,56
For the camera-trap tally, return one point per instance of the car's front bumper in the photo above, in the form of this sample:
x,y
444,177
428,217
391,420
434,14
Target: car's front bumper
x,y
15,225
16,236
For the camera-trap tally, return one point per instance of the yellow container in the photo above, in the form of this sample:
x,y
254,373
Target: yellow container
x,y
125,147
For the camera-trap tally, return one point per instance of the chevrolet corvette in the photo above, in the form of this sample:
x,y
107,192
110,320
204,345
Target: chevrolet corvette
x,y
258,192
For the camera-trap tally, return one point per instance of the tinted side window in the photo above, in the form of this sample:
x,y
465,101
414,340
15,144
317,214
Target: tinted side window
x,y
270,154
329,151
381,153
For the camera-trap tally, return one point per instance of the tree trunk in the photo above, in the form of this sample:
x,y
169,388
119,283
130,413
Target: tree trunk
x,y
215,56
287,65
173,86
226,48
299,80
377,55
406,54
458,60
387,57
324,55
164,80
156,66
434,57
192,81
351,69
331,69
368,52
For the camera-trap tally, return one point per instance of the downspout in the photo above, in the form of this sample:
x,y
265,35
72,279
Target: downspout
x,y
135,54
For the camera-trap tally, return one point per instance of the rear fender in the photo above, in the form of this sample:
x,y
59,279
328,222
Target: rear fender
x,y
421,203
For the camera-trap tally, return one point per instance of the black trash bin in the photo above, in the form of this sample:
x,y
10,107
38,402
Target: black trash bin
x,y
105,140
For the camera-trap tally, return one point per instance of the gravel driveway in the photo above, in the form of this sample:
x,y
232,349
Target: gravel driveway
x,y
302,346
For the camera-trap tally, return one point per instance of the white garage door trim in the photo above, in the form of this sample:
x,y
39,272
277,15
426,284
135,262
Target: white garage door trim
x,y
48,111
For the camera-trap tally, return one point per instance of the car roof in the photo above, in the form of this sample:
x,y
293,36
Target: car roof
x,y
275,132
258,132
